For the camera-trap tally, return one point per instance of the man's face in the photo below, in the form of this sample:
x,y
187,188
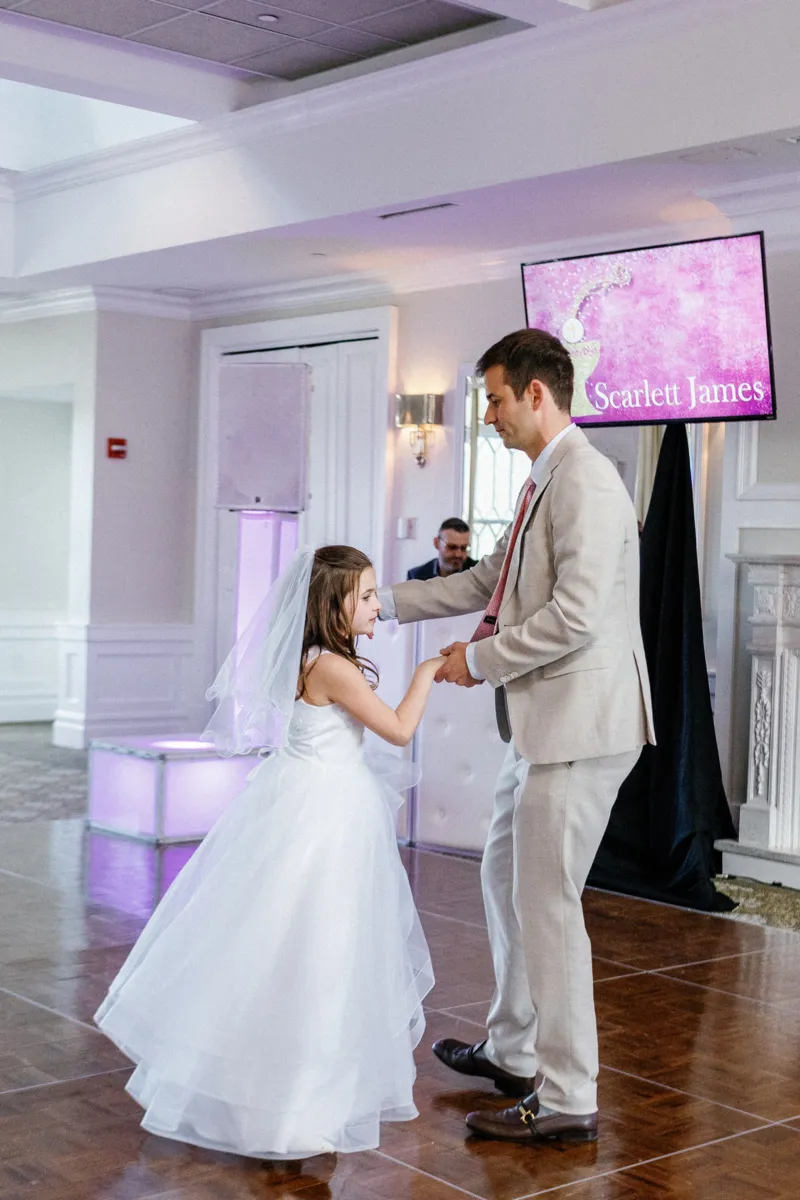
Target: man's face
x,y
516,421
452,547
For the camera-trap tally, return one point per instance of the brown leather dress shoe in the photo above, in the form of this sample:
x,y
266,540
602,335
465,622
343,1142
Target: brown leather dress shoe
x,y
472,1060
523,1124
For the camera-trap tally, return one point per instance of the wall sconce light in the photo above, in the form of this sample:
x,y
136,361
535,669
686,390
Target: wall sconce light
x,y
420,415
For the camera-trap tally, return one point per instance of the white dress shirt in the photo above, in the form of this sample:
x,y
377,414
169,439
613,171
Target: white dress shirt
x,y
538,467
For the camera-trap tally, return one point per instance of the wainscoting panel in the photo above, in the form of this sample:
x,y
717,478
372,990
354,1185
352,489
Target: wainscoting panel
x,y
28,666
122,679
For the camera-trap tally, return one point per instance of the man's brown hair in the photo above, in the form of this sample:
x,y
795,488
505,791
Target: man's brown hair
x,y
532,354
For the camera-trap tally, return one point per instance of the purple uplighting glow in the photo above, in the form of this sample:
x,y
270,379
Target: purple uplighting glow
x,y
142,789
267,540
131,876
180,745
197,792
163,789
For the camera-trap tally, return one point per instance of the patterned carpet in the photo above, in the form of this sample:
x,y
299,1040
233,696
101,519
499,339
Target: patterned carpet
x,y
761,903
39,781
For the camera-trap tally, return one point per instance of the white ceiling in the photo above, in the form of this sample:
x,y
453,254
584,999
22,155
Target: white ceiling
x,y
90,62
490,221
39,126
608,200
288,40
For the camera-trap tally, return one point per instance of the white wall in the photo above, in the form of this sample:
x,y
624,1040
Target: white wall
x,y
56,356
51,464
35,450
117,646
143,515
124,669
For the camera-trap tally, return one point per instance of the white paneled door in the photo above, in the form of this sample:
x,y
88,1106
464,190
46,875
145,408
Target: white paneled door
x,y
346,480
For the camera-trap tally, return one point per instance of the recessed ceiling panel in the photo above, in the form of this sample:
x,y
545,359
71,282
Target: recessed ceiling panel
x,y
289,40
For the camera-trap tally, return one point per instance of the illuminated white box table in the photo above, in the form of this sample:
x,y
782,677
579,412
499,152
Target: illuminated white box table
x,y
161,789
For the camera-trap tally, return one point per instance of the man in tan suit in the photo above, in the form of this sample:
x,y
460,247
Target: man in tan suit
x,y
561,645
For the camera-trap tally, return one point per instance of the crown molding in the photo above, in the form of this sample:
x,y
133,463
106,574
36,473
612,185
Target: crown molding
x,y
67,302
138,302
457,271
371,91
775,193
63,303
771,204
291,297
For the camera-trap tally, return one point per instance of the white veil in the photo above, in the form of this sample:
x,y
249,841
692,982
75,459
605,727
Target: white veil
x,y
257,684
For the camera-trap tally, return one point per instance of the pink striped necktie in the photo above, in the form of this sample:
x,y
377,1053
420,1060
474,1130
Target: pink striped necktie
x,y
488,624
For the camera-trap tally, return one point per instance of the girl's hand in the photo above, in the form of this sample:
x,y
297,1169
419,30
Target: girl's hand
x,y
456,669
431,665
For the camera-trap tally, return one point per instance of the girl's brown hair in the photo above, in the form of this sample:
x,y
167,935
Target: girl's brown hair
x,y
335,578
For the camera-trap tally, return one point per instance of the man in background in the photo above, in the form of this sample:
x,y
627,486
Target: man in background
x,y
452,545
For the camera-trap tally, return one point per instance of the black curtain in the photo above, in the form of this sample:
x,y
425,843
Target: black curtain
x,y
659,842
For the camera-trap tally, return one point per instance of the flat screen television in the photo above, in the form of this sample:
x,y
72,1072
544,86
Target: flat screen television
x,y
665,333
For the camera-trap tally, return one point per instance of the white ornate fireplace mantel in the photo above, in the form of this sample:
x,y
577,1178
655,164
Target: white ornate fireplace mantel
x,y
769,828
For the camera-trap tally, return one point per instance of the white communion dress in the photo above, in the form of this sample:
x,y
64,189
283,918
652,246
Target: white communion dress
x,y
274,999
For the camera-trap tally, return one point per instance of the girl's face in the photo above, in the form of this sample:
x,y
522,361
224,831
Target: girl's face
x,y
365,604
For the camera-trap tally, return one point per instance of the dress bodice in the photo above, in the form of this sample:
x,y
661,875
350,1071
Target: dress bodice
x,y
323,733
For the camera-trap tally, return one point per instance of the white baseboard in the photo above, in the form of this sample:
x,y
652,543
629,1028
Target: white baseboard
x,y
68,732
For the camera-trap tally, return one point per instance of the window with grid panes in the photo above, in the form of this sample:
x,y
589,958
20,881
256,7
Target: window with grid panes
x,y
493,476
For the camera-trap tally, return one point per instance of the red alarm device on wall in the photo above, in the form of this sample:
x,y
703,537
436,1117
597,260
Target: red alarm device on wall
x,y
117,448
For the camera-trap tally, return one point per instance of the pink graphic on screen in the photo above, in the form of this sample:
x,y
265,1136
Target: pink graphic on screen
x,y
670,333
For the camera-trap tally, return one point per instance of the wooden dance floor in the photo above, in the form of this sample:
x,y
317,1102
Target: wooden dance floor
x,y
699,1040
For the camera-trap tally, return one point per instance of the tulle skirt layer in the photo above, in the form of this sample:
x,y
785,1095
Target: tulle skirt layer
x,y
274,999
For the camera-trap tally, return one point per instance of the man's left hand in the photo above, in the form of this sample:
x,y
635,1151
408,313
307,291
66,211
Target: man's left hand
x,y
455,669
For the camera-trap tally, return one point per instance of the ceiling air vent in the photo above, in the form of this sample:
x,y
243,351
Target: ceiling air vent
x,y
406,212
716,155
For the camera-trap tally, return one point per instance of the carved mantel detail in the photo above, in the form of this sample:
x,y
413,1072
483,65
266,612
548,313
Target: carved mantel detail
x,y
791,604
762,726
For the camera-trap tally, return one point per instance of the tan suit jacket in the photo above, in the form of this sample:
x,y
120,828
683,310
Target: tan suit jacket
x,y
568,647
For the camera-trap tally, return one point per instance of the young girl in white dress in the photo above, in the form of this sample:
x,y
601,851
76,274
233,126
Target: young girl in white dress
x,y
274,999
